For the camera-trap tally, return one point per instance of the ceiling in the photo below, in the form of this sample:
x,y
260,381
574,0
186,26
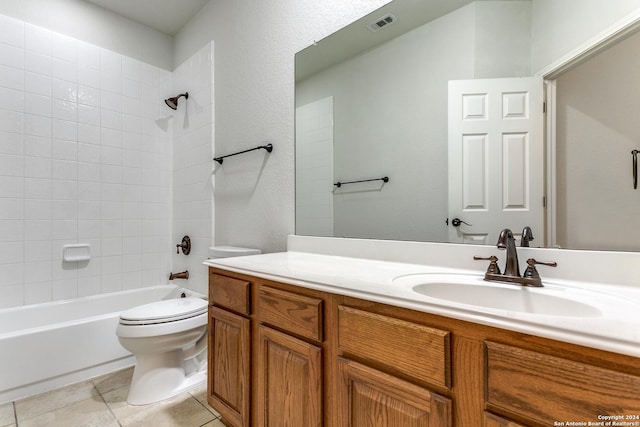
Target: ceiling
x,y
166,16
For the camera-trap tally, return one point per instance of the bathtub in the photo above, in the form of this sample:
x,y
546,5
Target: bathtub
x,y
45,346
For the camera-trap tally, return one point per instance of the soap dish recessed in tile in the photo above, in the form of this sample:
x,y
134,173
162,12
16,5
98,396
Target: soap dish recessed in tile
x,y
76,252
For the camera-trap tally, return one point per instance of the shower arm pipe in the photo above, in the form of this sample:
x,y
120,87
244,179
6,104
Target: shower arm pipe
x,y
268,147
383,179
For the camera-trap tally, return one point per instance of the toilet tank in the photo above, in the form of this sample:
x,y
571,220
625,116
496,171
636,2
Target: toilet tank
x,y
231,251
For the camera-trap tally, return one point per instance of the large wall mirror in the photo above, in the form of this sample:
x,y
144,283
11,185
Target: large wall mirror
x,y
390,142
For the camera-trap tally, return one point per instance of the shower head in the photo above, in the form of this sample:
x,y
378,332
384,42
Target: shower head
x,y
173,102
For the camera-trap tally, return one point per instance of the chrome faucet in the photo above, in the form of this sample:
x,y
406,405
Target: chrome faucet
x,y
511,268
527,236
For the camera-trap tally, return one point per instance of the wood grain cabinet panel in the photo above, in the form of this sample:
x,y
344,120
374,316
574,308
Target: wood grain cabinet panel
x,y
228,385
492,420
549,389
289,381
370,398
297,314
409,348
230,293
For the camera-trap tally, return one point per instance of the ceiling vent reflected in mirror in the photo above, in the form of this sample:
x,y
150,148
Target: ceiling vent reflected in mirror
x,y
383,22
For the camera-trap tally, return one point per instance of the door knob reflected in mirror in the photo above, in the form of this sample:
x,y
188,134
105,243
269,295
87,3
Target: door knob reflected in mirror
x,y
456,222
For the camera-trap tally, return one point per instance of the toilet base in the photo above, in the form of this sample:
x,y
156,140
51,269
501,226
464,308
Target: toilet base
x,y
158,377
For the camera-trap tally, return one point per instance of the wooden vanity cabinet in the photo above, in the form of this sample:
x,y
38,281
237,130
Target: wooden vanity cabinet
x,y
546,389
289,356
289,359
265,352
495,377
369,396
229,378
229,358
289,381
492,420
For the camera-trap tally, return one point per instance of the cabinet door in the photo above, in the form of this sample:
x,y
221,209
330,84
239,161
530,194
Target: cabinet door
x,y
229,366
370,398
289,381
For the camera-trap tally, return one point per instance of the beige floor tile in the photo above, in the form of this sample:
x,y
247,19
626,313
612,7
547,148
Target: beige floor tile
x,y
113,380
117,402
7,416
200,393
91,412
180,411
55,399
215,423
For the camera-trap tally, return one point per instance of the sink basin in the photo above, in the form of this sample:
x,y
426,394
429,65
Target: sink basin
x,y
523,299
472,290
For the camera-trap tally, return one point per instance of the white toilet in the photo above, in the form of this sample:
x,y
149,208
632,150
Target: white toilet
x,y
168,339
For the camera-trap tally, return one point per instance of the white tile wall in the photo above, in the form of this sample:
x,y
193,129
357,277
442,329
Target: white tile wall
x,y
193,128
314,165
82,159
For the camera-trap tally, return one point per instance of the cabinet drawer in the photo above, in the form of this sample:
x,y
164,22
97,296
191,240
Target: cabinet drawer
x,y
297,314
230,293
546,388
403,347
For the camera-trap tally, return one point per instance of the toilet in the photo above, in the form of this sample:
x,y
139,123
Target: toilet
x,y
169,342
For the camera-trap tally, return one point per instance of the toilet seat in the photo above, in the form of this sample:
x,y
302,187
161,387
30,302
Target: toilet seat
x,y
166,311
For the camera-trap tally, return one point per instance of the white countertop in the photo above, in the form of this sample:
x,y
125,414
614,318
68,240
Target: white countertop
x,y
615,328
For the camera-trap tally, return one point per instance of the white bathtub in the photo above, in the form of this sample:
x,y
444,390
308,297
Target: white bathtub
x,y
44,346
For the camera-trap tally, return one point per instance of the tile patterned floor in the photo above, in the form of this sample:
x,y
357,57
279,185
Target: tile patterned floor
x,y
101,402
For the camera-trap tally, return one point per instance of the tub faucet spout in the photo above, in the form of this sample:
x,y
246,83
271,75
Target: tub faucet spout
x,y
181,275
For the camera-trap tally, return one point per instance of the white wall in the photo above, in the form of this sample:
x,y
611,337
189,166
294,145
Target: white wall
x,y
192,198
502,39
255,47
560,26
255,44
597,104
390,121
93,24
82,159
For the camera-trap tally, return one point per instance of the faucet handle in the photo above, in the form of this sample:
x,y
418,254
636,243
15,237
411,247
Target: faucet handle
x,y
185,245
531,270
493,263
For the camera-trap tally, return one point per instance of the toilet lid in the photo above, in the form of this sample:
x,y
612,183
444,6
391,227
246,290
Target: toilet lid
x,y
164,311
